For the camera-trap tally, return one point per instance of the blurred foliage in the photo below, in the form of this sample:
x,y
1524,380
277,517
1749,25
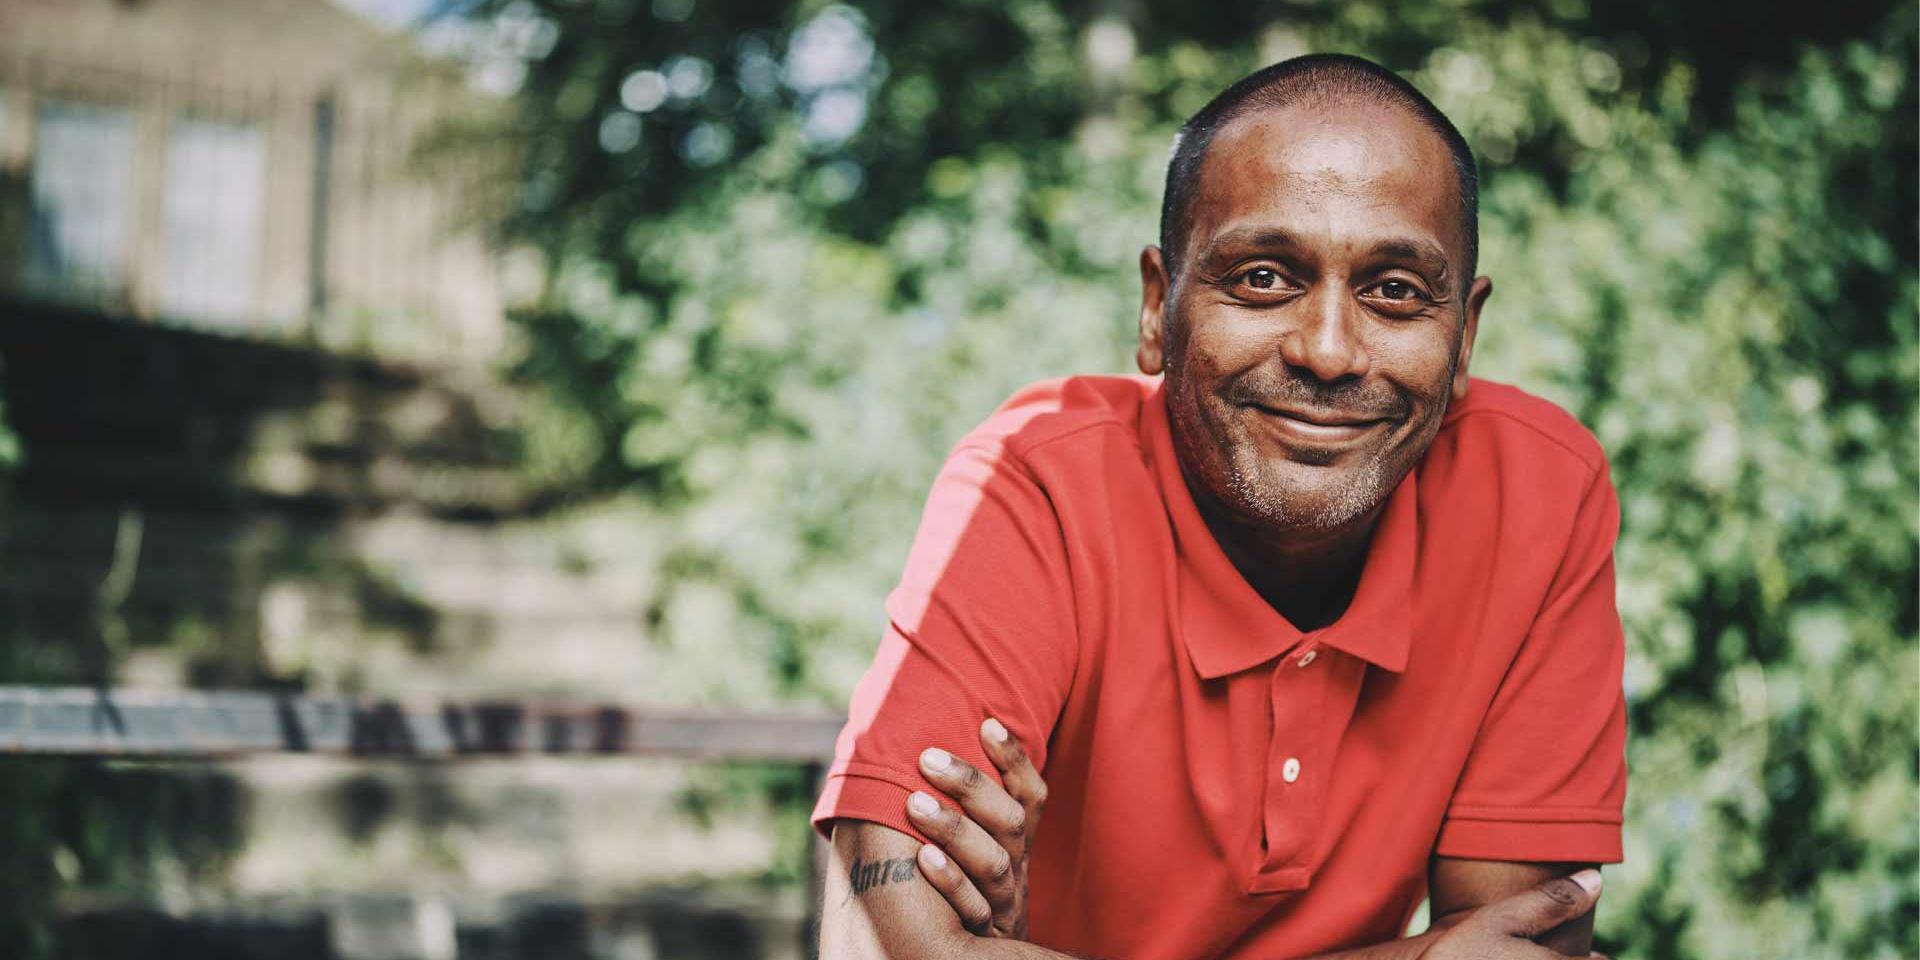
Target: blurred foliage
x,y
795,250
13,222
72,822
26,858
115,829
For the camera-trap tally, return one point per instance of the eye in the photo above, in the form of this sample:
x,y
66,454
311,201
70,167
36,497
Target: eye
x,y
1399,290
1396,297
1261,285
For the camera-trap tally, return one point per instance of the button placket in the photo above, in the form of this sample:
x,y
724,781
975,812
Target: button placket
x,y
1286,823
1309,711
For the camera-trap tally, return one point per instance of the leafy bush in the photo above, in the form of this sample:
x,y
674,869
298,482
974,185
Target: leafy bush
x,y
1702,239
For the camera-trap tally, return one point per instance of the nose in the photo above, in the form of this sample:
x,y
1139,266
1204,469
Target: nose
x,y
1327,340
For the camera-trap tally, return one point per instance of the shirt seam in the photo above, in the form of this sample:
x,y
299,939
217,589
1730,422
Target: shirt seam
x,y
1592,464
875,771
1534,814
1600,842
1021,449
1018,456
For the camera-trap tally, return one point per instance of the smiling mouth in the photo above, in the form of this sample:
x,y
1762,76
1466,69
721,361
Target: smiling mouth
x,y
1318,428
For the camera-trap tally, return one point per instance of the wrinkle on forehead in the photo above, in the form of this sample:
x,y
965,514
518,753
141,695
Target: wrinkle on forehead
x,y
1333,159
1368,168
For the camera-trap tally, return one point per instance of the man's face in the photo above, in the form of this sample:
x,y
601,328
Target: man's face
x,y
1320,321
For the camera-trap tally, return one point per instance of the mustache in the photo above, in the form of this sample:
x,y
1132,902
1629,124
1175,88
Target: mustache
x,y
1357,399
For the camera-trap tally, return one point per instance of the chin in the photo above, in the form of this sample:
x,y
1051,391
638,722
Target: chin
x,y
1304,496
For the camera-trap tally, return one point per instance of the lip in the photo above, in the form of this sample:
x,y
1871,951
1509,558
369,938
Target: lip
x,y
1317,428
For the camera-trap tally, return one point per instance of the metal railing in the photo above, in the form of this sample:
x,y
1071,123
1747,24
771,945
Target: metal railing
x,y
219,724
152,725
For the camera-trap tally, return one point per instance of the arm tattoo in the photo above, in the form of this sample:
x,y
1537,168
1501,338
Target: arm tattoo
x,y
865,875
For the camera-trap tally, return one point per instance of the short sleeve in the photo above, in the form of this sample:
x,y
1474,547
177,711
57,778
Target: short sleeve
x,y
1547,778
980,625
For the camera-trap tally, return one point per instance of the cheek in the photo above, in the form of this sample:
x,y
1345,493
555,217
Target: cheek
x,y
1217,343
1420,361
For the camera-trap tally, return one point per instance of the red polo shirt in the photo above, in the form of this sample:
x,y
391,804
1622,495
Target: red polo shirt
x,y
1221,784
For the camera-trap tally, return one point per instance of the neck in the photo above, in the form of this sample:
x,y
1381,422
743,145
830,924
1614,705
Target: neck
x,y
1308,575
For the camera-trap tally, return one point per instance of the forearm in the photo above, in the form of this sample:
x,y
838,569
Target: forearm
x,y
1411,948
877,906
976,949
1573,938
984,949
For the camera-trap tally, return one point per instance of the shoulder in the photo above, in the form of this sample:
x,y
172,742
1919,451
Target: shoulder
x,y
1071,417
1515,491
1504,428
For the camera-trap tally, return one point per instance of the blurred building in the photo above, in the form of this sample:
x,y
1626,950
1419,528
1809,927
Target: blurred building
x,y
251,314
255,167
250,322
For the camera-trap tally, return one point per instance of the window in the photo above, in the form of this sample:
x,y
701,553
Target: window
x,y
215,188
80,202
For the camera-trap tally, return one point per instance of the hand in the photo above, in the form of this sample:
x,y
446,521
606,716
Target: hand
x,y
978,860
1504,930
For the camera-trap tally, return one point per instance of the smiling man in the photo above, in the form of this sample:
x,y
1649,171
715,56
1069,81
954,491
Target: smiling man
x,y
1298,627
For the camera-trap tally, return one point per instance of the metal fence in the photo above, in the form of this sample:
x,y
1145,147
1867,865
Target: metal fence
x,y
224,725
220,724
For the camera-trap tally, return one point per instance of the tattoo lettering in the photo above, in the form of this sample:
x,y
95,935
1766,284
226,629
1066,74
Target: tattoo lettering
x,y
865,875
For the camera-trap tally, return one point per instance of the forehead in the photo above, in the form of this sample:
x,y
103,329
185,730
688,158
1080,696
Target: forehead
x,y
1342,173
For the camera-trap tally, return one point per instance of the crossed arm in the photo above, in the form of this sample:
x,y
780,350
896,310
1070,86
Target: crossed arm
x,y
963,896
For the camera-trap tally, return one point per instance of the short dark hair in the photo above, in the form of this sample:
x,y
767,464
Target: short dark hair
x,y
1289,81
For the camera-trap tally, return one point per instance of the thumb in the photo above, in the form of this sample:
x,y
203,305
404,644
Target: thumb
x,y
1533,912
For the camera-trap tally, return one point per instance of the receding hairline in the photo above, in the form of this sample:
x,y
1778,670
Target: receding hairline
x,y
1234,138
1314,80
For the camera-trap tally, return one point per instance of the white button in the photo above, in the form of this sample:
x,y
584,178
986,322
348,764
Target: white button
x,y
1290,771
1307,657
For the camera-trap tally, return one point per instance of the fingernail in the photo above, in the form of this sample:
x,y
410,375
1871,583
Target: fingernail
x,y
1589,880
936,759
932,857
994,731
923,804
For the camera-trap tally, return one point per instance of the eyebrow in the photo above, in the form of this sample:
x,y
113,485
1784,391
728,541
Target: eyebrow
x,y
1415,249
1406,248
1260,237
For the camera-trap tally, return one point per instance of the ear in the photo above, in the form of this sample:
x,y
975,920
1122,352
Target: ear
x,y
1476,299
1151,355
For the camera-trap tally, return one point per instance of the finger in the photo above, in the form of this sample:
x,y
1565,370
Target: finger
x,y
1022,781
986,802
966,901
1546,906
977,854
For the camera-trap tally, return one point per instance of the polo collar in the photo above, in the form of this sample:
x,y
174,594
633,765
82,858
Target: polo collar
x,y
1228,627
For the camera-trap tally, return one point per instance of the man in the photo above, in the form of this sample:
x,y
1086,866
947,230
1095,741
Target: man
x,y
1302,625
